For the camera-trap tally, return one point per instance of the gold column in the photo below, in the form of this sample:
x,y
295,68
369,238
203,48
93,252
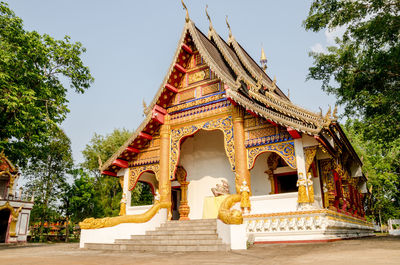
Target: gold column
x,y
184,208
241,171
164,182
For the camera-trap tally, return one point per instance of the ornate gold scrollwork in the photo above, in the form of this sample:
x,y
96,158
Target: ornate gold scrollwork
x,y
92,223
228,216
310,153
284,150
135,172
223,124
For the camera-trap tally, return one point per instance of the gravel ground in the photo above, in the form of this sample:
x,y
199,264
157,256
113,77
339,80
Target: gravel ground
x,y
373,250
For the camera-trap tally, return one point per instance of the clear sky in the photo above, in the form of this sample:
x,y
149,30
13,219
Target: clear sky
x,y
130,45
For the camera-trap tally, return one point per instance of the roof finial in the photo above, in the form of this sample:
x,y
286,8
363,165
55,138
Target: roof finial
x,y
335,117
187,12
288,93
229,27
209,19
263,59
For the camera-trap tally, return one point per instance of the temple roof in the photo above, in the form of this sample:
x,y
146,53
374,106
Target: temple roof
x,y
246,82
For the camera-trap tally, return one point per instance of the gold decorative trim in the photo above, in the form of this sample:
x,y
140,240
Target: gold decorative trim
x,y
228,216
92,223
205,112
338,216
223,124
195,102
136,172
310,153
283,149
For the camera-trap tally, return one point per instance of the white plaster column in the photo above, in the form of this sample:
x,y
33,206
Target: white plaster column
x,y
300,159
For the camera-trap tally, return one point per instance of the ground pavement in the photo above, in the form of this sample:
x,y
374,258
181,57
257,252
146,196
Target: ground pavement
x,y
373,250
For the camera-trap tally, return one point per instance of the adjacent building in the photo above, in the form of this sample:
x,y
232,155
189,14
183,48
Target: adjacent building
x,y
14,209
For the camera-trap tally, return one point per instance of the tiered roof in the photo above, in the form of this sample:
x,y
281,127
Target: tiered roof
x,y
246,85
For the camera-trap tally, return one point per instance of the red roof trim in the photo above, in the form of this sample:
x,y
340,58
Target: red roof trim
x,y
180,68
109,173
171,88
187,48
120,163
145,135
132,150
295,134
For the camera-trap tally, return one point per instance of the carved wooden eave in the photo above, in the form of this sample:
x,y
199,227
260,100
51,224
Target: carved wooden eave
x,y
272,115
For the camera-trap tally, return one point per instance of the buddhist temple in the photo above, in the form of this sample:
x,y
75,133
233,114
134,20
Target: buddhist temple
x,y
229,156
14,208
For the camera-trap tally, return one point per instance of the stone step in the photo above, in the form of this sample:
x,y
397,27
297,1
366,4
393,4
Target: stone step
x,y
170,242
183,232
174,237
187,228
195,221
158,248
168,225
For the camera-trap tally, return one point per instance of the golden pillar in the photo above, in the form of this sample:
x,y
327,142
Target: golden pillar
x,y
184,208
164,181
241,171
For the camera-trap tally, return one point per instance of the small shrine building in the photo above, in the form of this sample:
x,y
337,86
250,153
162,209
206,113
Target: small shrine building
x,y
292,174
14,208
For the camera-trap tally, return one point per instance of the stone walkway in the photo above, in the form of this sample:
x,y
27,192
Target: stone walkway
x,y
375,250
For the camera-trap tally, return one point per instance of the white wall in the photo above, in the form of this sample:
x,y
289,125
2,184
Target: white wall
x,y
203,157
260,184
276,203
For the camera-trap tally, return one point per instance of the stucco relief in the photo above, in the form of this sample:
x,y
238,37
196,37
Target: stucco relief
x,y
223,124
284,150
135,172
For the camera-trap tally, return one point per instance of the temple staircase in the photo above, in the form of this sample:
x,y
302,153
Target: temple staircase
x,y
172,236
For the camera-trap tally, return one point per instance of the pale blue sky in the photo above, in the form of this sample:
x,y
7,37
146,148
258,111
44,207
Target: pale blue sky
x,y
130,45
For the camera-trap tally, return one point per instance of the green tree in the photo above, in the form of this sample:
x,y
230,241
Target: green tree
x,y
46,172
33,98
363,71
363,68
379,164
108,189
82,200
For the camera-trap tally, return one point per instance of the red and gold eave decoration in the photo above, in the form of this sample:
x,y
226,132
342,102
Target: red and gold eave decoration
x,y
158,112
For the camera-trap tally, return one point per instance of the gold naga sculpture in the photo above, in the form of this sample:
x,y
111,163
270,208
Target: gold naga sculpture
x,y
228,216
92,223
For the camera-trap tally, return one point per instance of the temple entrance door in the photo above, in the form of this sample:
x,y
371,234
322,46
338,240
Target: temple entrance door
x,y
176,200
4,218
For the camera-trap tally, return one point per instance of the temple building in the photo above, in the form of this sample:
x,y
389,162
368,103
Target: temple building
x,y
225,150
14,208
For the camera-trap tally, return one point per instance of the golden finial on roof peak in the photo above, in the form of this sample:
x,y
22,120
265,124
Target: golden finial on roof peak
x,y
209,19
229,27
334,113
263,59
187,12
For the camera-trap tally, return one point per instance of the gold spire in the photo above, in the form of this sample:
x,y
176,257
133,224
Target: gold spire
x,y
187,12
263,59
209,19
229,27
